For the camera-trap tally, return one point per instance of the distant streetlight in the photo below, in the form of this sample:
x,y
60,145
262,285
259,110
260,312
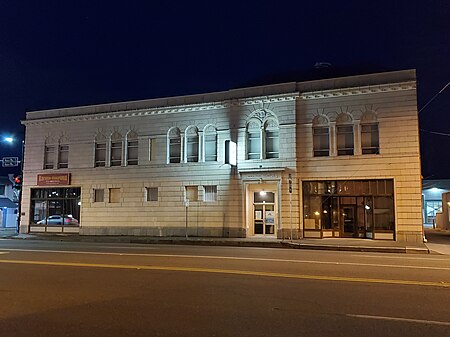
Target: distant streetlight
x,y
9,140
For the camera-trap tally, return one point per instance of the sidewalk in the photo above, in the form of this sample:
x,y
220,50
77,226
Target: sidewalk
x,y
334,244
438,241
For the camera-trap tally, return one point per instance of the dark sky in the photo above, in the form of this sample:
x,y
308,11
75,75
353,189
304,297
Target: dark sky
x,y
68,53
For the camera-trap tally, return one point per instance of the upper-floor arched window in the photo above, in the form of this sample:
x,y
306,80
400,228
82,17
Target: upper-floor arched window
x,y
271,137
116,149
370,142
345,135
191,144
321,136
132,148
210,143
174,145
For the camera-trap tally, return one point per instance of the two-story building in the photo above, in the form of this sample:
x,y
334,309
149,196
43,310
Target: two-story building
x,y
330,158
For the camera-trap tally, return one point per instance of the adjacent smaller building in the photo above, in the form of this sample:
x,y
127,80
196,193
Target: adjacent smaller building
x,y
8,203
432,195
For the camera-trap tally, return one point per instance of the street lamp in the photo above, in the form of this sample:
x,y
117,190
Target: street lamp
x,y
9,140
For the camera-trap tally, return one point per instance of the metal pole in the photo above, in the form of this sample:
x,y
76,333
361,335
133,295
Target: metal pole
x,y
186,219
290,214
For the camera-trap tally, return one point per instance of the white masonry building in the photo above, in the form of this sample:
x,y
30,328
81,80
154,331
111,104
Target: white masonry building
x,y
330,158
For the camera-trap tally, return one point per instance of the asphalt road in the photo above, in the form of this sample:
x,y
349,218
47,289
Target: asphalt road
x,y
92,289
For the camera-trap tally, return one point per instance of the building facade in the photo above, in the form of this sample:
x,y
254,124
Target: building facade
x,y
330,158
8,203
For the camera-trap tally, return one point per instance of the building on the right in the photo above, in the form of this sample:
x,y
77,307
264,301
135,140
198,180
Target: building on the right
x,y
358,159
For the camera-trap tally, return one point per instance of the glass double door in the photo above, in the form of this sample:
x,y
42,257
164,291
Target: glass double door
x,y
264,213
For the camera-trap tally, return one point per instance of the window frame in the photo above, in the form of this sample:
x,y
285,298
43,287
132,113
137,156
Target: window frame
x,y
63,149
370,149
49,156
345,151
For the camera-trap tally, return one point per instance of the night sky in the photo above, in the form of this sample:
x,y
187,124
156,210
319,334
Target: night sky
x,y
67,53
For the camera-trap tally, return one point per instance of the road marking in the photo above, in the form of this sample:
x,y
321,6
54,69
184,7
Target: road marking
x,y
399,319
403,257
229,258
4,252
230,271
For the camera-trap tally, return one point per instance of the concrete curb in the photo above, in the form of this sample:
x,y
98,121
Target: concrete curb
x,y
218,242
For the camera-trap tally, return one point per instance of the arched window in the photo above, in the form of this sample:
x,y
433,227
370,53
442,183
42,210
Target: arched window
x,y
345,135
132,148
254,139
100,151
321,136
210,143
191,144
174,145
116,149
271,135
370,141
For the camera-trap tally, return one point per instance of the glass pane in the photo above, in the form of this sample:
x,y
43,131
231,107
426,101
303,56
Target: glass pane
x,y
211,148
263,196
116,153
175,150
192,149
321,141
345,140
384,213
254,145
38,212
272,144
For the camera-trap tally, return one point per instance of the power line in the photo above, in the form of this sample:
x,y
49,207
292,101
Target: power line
x,y
433,98
436,133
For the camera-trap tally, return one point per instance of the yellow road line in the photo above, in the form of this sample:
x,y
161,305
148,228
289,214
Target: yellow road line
x,y
232,272
334,263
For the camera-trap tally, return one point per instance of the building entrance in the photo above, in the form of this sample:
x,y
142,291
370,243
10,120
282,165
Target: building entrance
x,y
264,213
262,209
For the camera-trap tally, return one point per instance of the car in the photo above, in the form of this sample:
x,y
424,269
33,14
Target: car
x,y
57,219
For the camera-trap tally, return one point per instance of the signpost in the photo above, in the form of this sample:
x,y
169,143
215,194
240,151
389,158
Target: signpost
x,y
10,161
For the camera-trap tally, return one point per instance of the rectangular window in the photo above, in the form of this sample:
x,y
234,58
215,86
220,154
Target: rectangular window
x,y
114,195
99,195
63,156
254,145
272,144
116,153
209,193
211,147
345,141
370,139
321,141
49,157
55,206
151,193
2,189
132,152
192,193
100,154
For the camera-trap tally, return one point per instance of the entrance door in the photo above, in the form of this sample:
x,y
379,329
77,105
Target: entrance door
x,y
349,221
264,213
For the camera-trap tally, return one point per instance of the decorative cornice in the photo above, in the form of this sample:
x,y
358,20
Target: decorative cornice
x,y
362,90
167,110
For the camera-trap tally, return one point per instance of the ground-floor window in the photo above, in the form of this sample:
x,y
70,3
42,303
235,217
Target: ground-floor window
x,y
432,208
55,206
352,208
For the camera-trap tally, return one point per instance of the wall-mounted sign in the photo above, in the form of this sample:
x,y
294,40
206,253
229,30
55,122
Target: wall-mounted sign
x,y
230,153
53,179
